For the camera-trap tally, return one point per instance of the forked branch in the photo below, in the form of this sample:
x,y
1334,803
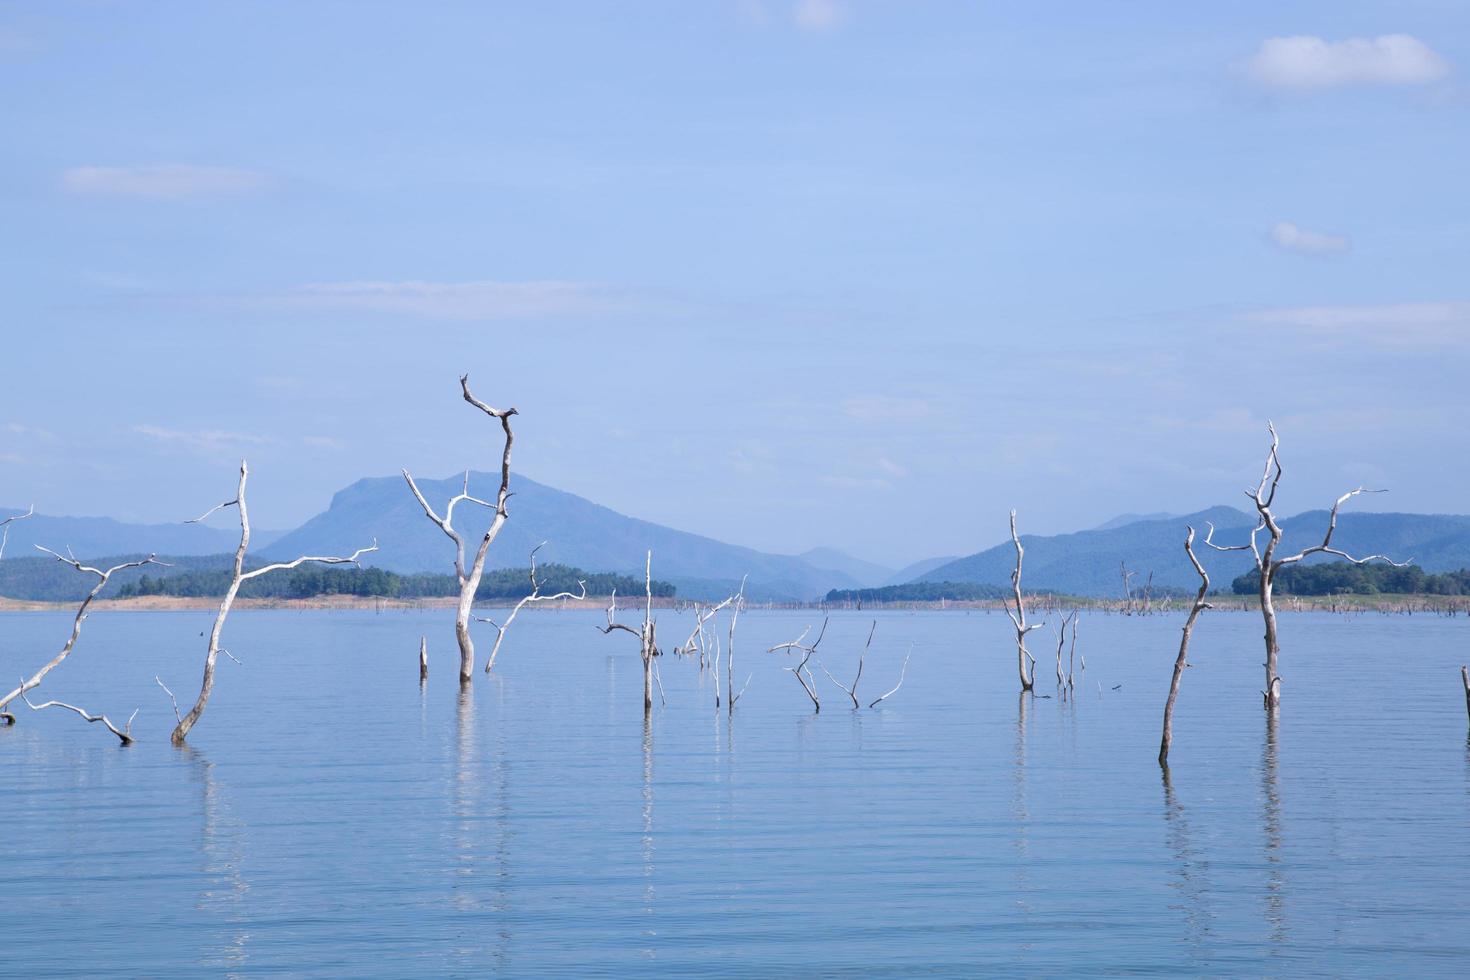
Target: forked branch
x,y
124,735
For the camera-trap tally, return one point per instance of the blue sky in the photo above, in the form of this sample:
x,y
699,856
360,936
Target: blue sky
x,y
831,272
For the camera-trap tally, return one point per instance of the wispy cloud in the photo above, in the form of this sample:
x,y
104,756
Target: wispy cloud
x,y
1389,325
886,408
210,442
1307,62
1295,239
163,182
485,299
818,15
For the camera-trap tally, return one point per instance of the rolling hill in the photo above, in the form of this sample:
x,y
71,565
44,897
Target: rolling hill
x,y
576,531
1088,562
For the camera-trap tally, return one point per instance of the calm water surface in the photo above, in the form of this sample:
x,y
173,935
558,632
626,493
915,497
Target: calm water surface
x,y
332,818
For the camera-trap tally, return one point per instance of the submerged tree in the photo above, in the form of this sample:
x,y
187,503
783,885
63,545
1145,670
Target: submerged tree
x,y
1268,565
103,576
469,579
238,576
645,633
1182,661
1025,663
533,596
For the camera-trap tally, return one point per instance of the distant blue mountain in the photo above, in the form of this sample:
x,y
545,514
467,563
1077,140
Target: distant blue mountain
x,y
576,531
92,537
1089,562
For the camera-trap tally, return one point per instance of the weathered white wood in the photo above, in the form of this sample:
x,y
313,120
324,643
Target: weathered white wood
x,y
1267,564
1182,660
237,578
125,734
534,596
469,579
1025,663
103,575
5,527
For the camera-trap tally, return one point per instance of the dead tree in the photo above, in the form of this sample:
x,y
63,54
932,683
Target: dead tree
x,y
1063,677
702,616
646,638
469,579
731,695
1267,564
125,734
852,691
237,578
1182,661
808,683
1025,663
103,575
534,596
423,659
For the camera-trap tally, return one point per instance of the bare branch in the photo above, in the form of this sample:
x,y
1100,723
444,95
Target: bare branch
x,y
201,517
103,575
903,671
5,527
177,716
535,596
1182,661
124,735
279,566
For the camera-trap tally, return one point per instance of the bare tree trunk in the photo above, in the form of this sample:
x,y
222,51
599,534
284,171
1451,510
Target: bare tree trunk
x,y
1465,680
647,633
423,659
469,581
1182,661
1025,663
238,577
1272,691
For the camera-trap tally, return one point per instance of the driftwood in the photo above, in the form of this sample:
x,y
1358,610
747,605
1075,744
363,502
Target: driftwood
x,y
469,579
238,577
1025,663
1182,661
534,596
103,575
1267,564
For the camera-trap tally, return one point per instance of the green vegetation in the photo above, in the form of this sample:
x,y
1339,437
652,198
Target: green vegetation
x,y
308,582
1345,578
47,580
920,592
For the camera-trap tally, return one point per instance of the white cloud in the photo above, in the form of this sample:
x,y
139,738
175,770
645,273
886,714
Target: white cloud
x,y
1307,62
818,15
1296,239
1388,325
209,442
486,299
165,182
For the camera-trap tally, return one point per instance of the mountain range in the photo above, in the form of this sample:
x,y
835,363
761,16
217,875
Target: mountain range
x,y
579,532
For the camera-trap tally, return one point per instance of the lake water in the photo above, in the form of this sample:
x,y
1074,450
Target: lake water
x,y
331,818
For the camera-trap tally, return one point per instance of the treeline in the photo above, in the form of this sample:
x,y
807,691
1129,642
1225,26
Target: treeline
x,y
310,582
1345,578
920,592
